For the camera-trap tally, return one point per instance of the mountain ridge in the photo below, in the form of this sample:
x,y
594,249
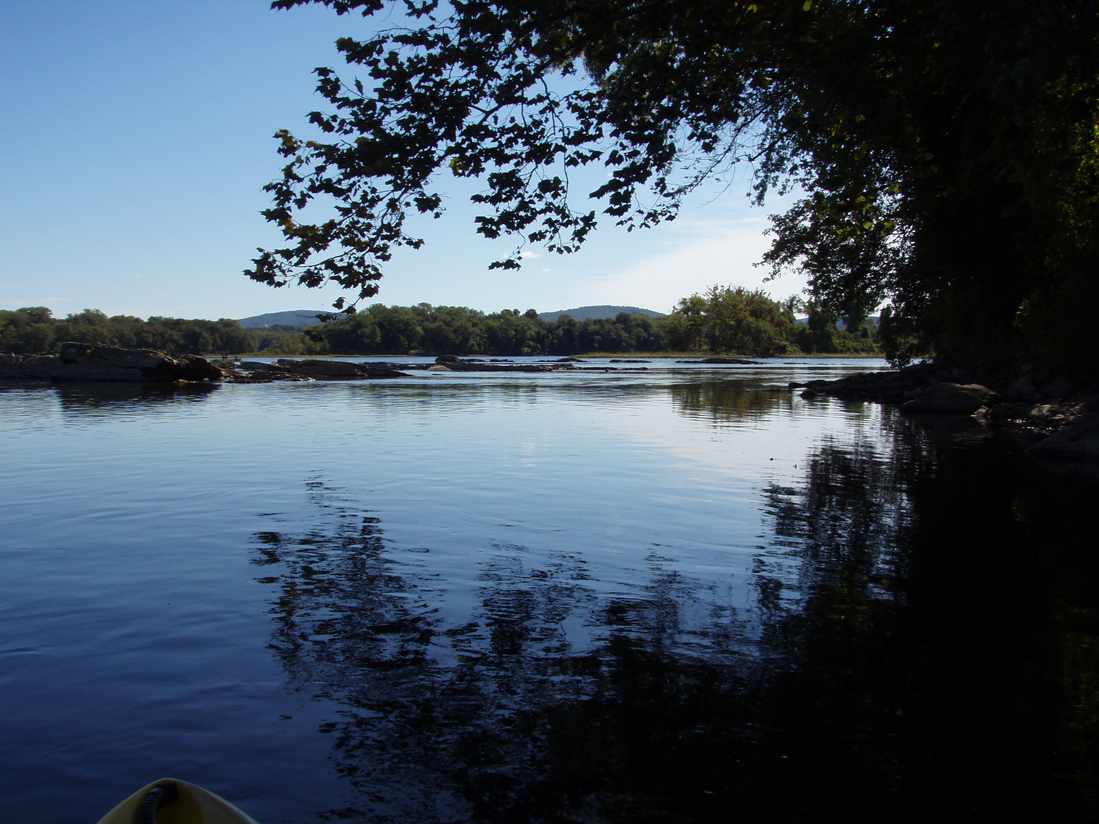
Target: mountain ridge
x,y
292,318
599,312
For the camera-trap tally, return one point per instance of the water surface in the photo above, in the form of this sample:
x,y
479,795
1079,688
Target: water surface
x,y
680,594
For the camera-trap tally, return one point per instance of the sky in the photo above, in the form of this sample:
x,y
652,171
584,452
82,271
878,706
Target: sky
x,y
136,139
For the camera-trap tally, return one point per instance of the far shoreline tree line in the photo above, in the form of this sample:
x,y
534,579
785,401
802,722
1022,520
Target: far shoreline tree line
x,y
725,319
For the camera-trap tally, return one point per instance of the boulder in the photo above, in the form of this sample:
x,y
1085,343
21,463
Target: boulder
x,y
1048,413
383,370
258,366
114,357
85,362
195,368
892,386
950,399
26,367
1078,441
317,369
71,352
322,368
1008,411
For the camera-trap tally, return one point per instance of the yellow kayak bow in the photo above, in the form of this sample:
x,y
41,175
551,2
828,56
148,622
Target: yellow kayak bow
x,y
171,801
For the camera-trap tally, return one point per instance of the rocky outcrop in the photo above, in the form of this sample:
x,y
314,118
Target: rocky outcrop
x,y
720,360
894,386
1054,421
289,369
950,399
1076,440
86,362
323,369
456,364
27,367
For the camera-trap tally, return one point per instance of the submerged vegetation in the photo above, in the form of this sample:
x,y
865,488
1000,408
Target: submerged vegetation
x,y
725,319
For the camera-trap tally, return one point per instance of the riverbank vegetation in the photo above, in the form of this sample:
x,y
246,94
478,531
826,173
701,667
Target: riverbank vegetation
x,y
725,319
944,155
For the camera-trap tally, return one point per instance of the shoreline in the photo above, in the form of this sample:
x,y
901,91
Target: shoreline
x,y
1055,422
606,355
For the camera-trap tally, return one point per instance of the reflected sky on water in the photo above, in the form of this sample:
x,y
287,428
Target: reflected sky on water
x,y
566,597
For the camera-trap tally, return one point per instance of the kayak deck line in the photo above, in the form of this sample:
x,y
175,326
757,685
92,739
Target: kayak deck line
x,y
174,801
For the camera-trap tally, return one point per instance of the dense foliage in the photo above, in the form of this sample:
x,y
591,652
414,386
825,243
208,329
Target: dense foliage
x,y
34,330
723,320
946,153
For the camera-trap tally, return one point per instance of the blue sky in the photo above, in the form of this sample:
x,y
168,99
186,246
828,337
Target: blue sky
x,y
136,139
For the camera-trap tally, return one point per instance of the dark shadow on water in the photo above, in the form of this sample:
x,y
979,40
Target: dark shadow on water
x,y
923,641
940,617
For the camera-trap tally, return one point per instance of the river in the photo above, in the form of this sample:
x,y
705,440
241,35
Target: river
x,y
681,594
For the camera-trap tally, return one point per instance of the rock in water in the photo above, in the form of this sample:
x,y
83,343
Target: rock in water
x,y
196,368
324,369
330,370
86,362
950,399
1078,440
720,360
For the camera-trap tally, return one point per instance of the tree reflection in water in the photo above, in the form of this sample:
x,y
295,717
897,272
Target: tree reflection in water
x,y
88,399
922,649
729,400
498,718
925,621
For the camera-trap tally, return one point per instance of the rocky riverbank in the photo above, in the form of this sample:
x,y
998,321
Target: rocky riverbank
x,y
1055,420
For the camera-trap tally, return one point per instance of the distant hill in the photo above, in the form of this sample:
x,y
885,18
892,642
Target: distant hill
x,y
598,313
294,318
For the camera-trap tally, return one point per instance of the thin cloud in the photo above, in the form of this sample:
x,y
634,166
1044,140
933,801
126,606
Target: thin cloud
x,y
707,252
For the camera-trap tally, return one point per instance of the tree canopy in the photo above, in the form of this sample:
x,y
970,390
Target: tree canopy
x,y
725,319
944,155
